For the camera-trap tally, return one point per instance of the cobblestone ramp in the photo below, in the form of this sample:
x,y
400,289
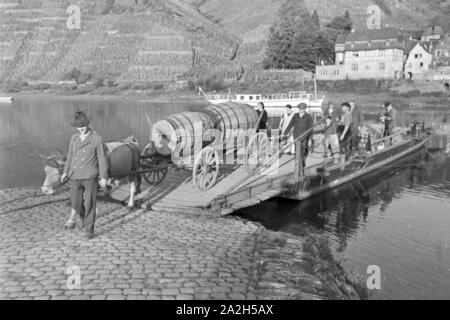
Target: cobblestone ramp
x,y
135,255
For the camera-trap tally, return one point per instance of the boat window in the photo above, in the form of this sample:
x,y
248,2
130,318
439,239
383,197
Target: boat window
x,y
242,97
257,97
250,98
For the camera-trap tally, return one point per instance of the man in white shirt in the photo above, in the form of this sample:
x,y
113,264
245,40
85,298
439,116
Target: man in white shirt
x,y
285,119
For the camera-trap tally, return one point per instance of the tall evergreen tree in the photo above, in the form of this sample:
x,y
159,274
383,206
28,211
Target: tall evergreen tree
x,y
298,42
315,18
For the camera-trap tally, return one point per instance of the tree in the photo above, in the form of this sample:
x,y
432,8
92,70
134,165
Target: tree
x,y
297,42
315,19
342,24
278,46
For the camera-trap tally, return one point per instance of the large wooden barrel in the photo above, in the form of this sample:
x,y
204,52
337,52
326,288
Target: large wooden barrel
x,y
176,132
229,117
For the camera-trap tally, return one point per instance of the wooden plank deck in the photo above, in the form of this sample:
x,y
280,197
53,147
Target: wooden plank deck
x,y
177,193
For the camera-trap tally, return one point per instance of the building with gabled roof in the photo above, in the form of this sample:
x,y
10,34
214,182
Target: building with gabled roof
x,y
419,59
436,29
363,54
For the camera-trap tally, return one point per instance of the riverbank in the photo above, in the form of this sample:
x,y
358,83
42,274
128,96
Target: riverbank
x,y
404,95
153,255
135,95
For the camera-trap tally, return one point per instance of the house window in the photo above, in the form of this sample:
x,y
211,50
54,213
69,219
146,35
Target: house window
x,y
416,56
382,66
354,67
421,64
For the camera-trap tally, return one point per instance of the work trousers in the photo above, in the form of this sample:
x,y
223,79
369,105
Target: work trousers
x,y
84,199
305,150
331,143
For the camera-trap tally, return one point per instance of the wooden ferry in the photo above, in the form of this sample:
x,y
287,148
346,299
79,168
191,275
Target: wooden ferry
x,y
370,157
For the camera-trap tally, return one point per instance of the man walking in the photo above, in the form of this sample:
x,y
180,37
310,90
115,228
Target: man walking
x,y
301,122
86,161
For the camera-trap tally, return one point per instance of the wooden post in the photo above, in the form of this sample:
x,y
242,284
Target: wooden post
x,y
299,170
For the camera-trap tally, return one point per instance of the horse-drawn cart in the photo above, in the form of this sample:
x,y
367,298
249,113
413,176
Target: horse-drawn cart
x,y
202,142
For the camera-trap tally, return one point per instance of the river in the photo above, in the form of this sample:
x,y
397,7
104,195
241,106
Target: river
x,y
399,221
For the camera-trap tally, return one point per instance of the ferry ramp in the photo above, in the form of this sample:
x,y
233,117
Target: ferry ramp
x,y
235,187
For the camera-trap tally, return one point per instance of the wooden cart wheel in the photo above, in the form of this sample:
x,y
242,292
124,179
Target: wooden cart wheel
x,y
257,152
153,176
206,169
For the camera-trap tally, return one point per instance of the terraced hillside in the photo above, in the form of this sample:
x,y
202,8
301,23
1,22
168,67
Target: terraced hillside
x,y
409,14
160,40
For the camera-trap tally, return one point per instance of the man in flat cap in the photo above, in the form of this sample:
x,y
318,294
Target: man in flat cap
x,y
86,161
301,122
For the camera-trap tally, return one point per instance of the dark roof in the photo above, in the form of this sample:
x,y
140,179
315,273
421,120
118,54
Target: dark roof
x,y
374,34
367,46
415,34
410,44
341,39
375,39
433,30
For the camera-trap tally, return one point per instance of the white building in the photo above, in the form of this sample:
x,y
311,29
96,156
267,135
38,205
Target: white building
x,y
366,54
418,62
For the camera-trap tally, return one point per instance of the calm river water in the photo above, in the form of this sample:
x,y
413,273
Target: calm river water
x,y
399,221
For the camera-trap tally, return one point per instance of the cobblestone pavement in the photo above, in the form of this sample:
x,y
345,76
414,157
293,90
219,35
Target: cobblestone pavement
x,y
135,254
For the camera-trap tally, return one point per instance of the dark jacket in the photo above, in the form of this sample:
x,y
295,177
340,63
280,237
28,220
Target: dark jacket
x,y
391,118
299,124
87,159
263,120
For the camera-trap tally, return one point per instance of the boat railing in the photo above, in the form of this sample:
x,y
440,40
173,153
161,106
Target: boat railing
x,y
274,96
381,143
416,132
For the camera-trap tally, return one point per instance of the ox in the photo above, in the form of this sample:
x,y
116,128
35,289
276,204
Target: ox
x,y
123,161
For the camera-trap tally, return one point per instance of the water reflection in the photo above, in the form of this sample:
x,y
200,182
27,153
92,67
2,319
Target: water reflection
x,y
41,124
376,219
